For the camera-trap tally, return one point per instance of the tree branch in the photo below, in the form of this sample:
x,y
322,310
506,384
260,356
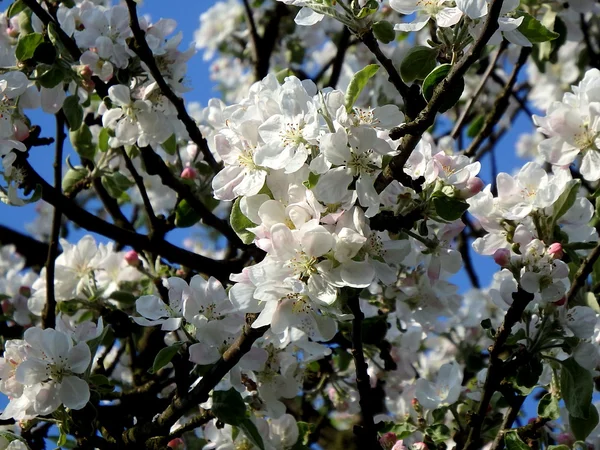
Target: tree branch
x,y
34,251
145,54
413,131
366,433
582,273
140,242
49,311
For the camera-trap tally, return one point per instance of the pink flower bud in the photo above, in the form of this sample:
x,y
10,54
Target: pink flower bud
x,y
502,257
475,185
189,173
88,85
25,291
399,445
420,446
565,438
132,258
85,72
21,130
555,250
176,443
561,302
388,440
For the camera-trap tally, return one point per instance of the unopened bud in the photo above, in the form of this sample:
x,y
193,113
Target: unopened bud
x,y
475,185
85,72
565,439
88,85
420,446
25,291
177,444
189,174
556,250
502,257
132,258
21,130
388,440
561,302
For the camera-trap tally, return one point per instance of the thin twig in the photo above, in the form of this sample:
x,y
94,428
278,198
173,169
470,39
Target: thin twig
x,y
463,248
336,68
500,104
145,54
255,39
458,126
49,312
413,130
582,273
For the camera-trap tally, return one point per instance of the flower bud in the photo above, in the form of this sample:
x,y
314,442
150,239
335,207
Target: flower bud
x,y
565,439
21,130
502,257
88,85
399,445
132,258
85,72
388,440
555,250
177,444
189,173
561,302
475,185
420,446
25,291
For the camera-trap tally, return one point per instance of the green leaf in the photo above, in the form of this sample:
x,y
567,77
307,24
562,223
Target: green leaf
x,y
370,7
240,223
582,428
103,138
418,63
548,407
475,126
81,140
164,357
15,8
576,386
49,76
304,431
358,83
533,29
449,208
251,432
170,145
312,181
283,74
229,407
438,432
565,201
185,215
434,78
115,183
384,31
27,44
403,430
514,442
72,177
73,112
124,297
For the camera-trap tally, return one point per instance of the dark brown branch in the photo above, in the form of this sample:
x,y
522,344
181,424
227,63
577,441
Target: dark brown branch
x,y
594,57
140,242
509,417
366,433
156,166
140,47
143,433
463,248
154,222
500,104
496,371
34,251
336,68
582,273
413,131
255,40
49,312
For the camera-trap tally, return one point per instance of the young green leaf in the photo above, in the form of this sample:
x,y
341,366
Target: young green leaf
x,y
358,83
81,140
240,223
73,112
27,44
229,407
565,200
185,215
534,31
514,442
434,78
384,31
576,386
418,63
582,428
448,208
164,356
548,407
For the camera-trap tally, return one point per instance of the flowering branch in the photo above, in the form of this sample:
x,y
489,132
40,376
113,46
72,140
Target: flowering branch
x,y
143,51
582,274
